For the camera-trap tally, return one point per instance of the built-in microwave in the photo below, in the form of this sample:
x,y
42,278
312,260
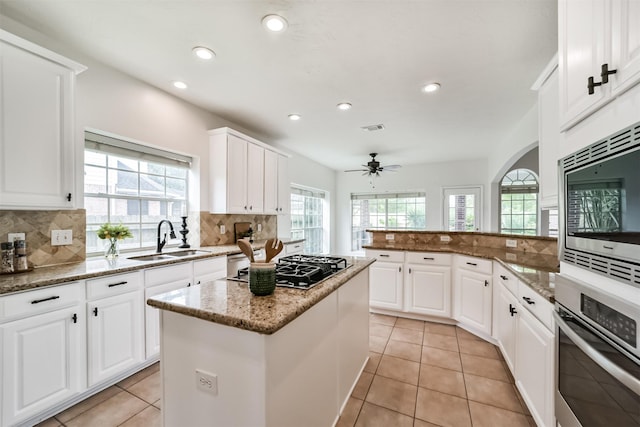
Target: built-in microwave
x,y
600,207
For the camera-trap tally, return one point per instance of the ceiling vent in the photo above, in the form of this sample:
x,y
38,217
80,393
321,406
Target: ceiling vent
x,y
372,128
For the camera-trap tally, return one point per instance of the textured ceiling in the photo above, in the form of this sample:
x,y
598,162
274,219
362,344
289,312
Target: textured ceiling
x,y
373,54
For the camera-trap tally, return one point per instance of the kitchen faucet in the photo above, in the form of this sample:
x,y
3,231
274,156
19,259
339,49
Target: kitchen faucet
x,y
172,235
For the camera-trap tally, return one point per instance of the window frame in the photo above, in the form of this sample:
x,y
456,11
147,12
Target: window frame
x,y
523,188
310,245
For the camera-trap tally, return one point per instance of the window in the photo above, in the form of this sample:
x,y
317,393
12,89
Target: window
x,y
519,203
132,184
462,208
309,219
401,211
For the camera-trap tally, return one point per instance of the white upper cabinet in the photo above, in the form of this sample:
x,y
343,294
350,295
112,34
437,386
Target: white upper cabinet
x,y
549,135
284,185
243,174
596,36
36,116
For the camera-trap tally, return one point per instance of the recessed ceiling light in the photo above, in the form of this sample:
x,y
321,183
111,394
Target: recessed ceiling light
x,y
203,53
275,23
344,106
179,84
431,87
295,117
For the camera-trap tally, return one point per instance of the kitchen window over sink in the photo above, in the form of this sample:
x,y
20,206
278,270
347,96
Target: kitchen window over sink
x,y
132,184
310,219
387,211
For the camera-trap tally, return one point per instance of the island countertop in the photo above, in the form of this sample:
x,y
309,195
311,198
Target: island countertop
x,y
230,303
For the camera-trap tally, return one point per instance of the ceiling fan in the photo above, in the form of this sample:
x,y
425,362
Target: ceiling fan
x,y
374,168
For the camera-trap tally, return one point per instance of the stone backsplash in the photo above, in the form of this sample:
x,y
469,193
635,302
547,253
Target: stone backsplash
x,y
531,244
210,227
37,226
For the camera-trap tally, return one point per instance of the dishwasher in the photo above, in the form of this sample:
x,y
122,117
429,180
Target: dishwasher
x,y
238,261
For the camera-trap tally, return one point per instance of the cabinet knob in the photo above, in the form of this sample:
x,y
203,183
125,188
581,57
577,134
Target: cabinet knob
x,y
605,72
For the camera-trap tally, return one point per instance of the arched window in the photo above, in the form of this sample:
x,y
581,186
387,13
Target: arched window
x,y
519,203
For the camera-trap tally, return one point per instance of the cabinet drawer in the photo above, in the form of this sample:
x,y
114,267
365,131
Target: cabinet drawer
x,y
170,273
38,301
203,267
540,307
113,285
475,264
428,258
294,248
506,277
389,256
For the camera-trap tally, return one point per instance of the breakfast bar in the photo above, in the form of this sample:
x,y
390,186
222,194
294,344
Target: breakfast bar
x,y
290,358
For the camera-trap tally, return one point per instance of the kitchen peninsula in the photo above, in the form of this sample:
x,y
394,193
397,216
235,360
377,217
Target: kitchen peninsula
x,y
291,358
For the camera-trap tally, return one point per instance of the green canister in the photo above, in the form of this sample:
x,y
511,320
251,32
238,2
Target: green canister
x,y
262,278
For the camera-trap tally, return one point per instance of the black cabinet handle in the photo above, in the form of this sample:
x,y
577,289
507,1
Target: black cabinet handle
x,y
428,258
38,301
528,300
117,284
504,277
409,271
95,311
486,283
69,197
605,72
189,284
512,310
384,255
472,263
399,269
591,84
74,318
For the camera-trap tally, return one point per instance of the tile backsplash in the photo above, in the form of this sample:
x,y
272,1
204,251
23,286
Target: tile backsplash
x,y
210,227
37,226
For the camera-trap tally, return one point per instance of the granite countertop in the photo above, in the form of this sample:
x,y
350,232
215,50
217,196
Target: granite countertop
x,y
535,270
99,266
230,303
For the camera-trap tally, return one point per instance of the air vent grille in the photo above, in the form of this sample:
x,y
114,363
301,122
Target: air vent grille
x,y
372,128
626,139
616,269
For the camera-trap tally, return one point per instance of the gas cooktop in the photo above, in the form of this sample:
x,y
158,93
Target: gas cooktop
x,y
301,271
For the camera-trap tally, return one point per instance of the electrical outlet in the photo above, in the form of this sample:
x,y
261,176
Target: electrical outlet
x,y
207,382
512,243
390,237
61,237
12,237
223,229
445,238
259,228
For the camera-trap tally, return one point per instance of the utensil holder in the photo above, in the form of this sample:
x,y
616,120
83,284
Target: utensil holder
x,y
262,278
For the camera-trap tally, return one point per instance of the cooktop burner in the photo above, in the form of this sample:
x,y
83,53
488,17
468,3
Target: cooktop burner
x,y
301,271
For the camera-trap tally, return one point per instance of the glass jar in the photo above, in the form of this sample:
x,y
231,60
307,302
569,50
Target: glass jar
x,y
6,257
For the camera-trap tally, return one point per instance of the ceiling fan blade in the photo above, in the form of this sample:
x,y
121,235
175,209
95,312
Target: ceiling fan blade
x,y
366,173
391,167
357,170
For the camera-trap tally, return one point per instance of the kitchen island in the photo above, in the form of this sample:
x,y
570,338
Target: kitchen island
x,y
288,359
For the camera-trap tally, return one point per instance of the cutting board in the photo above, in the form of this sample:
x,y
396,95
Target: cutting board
x,y
240,229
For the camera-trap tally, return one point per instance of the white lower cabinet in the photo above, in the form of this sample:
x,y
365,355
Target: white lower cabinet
x,y
427,284
504,323
209,269
473,294
115,325
43,359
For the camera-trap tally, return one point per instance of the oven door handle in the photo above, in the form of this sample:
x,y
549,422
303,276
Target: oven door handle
x,y
614,370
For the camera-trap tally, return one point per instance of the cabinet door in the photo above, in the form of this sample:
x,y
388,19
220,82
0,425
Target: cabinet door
x,y
236,175
43,362
270,182
284,186
36,142
582,51
385,285
535,368
255,178
504,323
115,335
549,134
152,316
428,290
625,44
473,300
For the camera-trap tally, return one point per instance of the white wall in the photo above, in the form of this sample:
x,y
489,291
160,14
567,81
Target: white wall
x,y
429,177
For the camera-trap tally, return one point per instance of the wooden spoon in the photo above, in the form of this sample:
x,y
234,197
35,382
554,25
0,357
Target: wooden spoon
x,y
246,249
273,247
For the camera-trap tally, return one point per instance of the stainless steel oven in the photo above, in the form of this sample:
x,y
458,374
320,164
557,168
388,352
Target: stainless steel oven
x,y
598,356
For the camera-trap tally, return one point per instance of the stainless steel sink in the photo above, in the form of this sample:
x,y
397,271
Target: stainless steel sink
x,y
168,255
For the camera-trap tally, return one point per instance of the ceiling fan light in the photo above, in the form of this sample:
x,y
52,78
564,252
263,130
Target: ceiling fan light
x,y
180,85
431,87
274,23
203,53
